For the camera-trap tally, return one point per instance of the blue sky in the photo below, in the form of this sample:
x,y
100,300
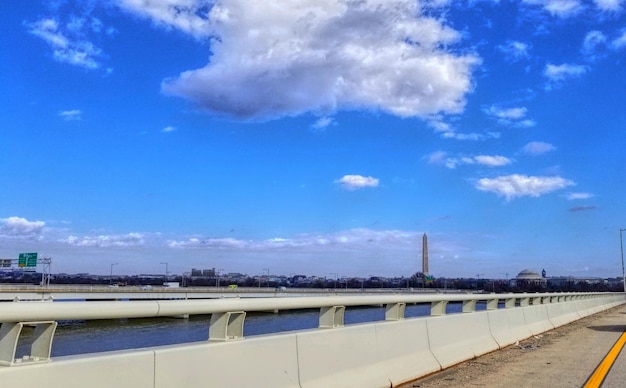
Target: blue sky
x,y
317,137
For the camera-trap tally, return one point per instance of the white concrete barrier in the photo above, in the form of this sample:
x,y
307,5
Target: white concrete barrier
x,y
404,350
340,357
537,320
508,326
264,361
459,337
562,313
104,370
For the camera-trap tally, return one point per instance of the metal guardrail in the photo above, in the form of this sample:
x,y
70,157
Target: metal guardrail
x,y
228,314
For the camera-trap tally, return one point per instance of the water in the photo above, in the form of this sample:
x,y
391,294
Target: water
x,y
78,337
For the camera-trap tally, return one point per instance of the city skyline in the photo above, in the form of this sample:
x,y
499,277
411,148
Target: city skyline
x,y
314,136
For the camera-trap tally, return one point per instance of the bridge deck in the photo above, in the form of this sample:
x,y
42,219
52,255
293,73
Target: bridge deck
x,y
564,357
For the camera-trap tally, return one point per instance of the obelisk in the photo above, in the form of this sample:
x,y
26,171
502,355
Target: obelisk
x,y
425,254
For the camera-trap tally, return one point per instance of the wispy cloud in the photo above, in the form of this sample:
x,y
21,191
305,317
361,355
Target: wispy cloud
x,y
510,117
167,129
442,158
515,51
68,41
560,73
126,240
355,182
559,8
323,122
537,148
575,196
609,5
516,186
71,115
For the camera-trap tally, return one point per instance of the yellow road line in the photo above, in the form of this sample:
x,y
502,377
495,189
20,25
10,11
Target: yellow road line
x,y
598,375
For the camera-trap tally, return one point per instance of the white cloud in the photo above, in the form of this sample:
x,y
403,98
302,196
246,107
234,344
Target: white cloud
x,y
189,16
609,5
492,160
441,158
559,8
344,239
71,115
593,39
557,73
20,227
514,186
537,148
167,129
515,51
511,117
620,42
323,122
333,54
68,42
574,196
126,240
355,182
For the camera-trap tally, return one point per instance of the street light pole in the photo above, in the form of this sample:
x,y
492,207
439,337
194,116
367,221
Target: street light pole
x,y
111,275
166,271
621,245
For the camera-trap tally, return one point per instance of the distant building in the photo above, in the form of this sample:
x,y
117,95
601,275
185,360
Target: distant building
x,y
528,278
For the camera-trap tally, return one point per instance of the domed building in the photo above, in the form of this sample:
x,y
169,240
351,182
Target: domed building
x,y
529,278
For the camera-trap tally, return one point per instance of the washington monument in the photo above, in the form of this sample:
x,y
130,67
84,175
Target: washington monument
x,y
425,254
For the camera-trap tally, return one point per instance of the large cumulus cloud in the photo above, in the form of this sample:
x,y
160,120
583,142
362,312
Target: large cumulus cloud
x,y
273,59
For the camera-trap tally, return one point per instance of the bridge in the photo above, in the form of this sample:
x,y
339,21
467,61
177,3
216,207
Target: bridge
x,y
374,354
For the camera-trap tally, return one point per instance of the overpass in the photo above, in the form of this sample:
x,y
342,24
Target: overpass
x,y
100,292
376,354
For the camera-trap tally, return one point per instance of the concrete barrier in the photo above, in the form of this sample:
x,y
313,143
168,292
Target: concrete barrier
x,y
340,357
508,326
269,361
403,349
459,337
103,370
562,313
537,320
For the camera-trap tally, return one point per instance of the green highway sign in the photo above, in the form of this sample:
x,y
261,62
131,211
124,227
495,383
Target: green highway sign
x,y
27,260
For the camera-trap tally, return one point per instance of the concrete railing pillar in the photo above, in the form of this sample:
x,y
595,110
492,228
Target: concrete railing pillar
x,y
331,316
226,326
394,311
438,308
492,304
41,346
469,306
509,303
524,302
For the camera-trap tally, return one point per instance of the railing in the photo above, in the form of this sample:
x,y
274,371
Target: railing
x,y
228,314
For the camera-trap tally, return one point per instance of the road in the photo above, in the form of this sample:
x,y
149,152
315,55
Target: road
x,y
564,357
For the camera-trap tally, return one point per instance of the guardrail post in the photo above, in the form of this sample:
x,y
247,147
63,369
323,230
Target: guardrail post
x,y
331,316
538,300
524,302
226,326
394,311
492,304
41,346
469,306
438,308
509,303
